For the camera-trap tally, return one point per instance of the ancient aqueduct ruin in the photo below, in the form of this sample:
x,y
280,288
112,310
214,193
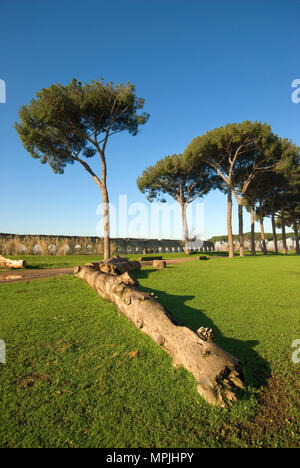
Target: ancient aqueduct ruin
x,y
12,244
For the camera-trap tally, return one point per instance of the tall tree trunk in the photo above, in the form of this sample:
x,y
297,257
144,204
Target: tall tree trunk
x,y
185,228
274,228
284,249
296,236
262,231
229,222
241,229
253,251
106,239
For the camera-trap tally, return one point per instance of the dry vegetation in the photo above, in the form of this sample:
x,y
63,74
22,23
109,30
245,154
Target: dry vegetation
x,y
37,245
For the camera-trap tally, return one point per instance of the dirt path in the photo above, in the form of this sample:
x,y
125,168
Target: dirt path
x,y
29,275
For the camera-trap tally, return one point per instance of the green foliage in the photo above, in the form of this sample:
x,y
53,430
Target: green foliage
x,y
239,148
290,157
255,165
172,175
66,121
280,186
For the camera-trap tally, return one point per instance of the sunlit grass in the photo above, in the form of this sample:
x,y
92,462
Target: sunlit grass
x,y
79,374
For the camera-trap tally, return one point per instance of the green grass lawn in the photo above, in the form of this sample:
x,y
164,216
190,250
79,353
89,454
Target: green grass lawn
x,y
78,374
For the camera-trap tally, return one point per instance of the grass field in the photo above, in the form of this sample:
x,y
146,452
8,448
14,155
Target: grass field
x,y
78,374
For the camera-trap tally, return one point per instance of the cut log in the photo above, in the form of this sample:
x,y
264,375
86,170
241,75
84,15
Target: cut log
x,y
116,259
160,264
115,265
217,373
120,268
95,265
7,263
150,259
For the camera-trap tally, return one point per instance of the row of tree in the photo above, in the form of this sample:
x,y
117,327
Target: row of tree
x,y
73,124
245,160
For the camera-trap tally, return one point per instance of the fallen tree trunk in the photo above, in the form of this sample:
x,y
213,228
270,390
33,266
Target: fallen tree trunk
x,y
7,263
218,374
115,265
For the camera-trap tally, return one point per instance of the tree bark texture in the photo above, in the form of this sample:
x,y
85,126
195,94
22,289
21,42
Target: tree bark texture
x,y
217,373
295,225
241,230
116,265
253,251
262,232
284,244
274,229
159,264
7,263
185,228
106,227
229,222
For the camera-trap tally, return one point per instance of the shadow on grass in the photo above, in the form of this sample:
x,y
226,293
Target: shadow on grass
x,y
256,369
50,266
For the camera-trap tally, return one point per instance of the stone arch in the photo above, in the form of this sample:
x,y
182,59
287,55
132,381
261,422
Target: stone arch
x,y
37,249
64,249
89,249
52,249
22,250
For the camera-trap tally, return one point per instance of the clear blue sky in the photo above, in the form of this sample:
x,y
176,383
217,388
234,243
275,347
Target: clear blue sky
x,y
198,64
